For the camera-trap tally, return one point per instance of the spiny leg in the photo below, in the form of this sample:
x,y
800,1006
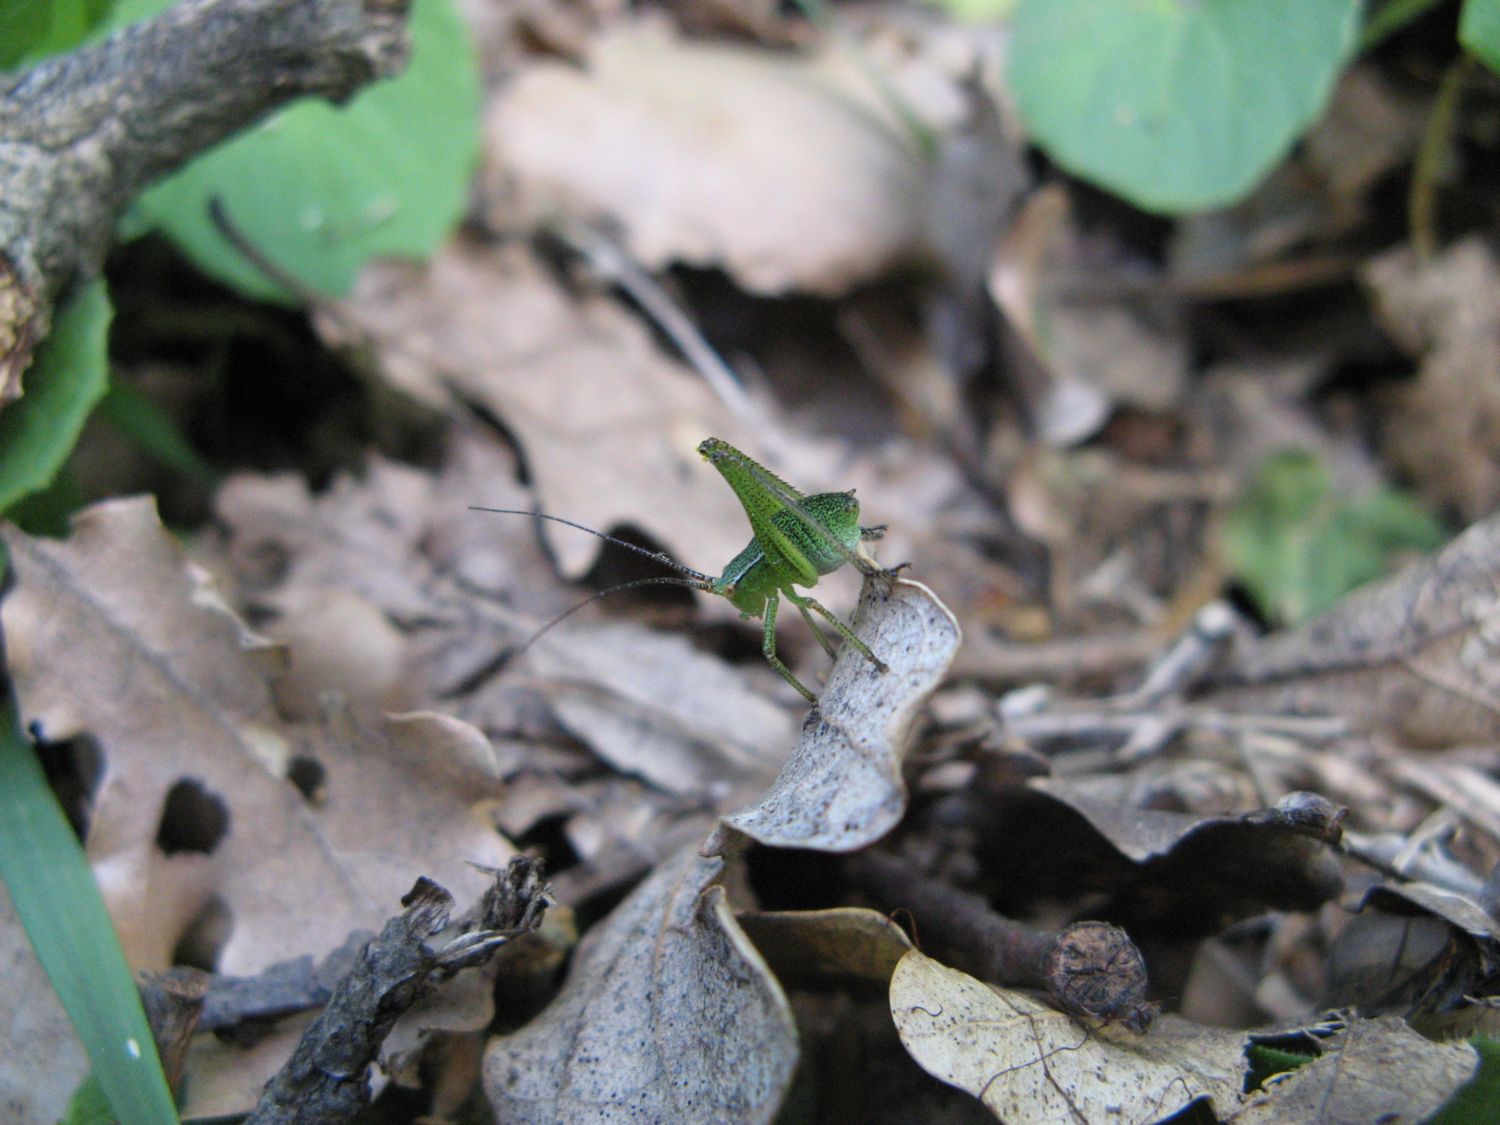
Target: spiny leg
x,y
843,630
768,649
811,624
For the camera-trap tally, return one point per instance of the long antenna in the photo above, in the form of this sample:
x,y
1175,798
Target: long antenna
x,y
660,556
567,613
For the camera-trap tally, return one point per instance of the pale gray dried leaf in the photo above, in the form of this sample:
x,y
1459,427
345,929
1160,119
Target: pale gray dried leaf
x,y
768,164
1413,657
668,1014
842,789
1379,1070
652,705
1027,1062
110,636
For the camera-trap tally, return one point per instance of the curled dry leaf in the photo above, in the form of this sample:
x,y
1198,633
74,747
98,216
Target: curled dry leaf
x,y
304,831
1413,656
764,163
1027,1062
841,789
1182,870
669,1014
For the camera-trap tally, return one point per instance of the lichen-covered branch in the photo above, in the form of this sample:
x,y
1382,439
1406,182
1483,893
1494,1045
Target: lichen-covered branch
x,y
81,133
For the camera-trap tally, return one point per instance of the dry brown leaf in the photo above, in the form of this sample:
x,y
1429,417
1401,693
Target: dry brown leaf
x,y
1411,657
1446,426
1027,1062
1417,951
456,589
841,789
827,946
43,1061
110,636
609,426
774,166
669,1014
440,593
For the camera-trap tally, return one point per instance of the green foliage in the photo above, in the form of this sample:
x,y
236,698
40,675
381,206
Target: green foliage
x,y
1479,30
978,11
319,190
1176,106
69,374
53,890
33,29
89,1106
1298,546
1267,1061
1478,1103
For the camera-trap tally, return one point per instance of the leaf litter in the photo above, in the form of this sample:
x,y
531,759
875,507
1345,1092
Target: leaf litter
x,y
625,753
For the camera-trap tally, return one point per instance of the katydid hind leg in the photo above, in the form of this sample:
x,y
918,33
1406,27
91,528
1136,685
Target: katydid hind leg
x,y
768,649
802,600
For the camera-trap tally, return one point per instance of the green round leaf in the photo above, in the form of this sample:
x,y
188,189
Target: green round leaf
x,y
1177,105
319,190
32,29
1479,30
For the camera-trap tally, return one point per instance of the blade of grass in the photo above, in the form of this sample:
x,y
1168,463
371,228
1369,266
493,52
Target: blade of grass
x,y
152,431
54,893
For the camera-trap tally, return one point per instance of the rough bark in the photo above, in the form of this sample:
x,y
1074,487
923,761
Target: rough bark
x,y
81,133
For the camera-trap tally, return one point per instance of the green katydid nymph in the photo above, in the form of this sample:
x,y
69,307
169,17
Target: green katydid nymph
x,y
796,540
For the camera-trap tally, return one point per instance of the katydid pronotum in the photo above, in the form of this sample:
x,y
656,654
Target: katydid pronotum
x,y
796,540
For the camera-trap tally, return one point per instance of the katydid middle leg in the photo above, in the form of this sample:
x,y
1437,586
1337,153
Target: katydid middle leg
x,y
768,647
805,603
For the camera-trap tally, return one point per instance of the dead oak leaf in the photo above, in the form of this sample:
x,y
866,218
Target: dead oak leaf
x,y
112,637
